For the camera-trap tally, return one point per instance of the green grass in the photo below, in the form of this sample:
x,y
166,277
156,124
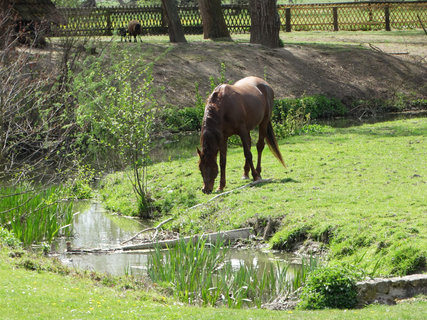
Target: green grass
x,y
43,295
361,190
36,287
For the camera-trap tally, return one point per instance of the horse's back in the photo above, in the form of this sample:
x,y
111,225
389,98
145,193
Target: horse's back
x,y
251,81
256,98
134,27
255,86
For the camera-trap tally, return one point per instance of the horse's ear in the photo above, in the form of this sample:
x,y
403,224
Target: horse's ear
x,y
199,152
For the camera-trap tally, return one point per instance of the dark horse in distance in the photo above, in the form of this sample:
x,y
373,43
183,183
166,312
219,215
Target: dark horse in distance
x,y
236,109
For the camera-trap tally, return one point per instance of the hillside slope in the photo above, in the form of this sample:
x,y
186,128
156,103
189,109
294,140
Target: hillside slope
x,y
348,72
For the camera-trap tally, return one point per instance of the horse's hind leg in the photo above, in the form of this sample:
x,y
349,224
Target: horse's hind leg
x,y
246,141
260,145
247,167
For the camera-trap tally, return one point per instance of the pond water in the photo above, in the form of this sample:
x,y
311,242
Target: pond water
x,y
96,228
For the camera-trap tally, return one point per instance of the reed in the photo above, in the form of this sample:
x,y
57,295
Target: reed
x,y
35,215
199,273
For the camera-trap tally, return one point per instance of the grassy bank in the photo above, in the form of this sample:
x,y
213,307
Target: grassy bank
x,y
360,191
28,294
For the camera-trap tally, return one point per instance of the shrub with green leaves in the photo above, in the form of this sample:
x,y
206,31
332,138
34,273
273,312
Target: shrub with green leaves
x,y
116,113
329,287
318,106
8,238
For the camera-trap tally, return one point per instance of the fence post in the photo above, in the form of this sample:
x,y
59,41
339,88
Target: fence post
x,y
335,14
288,20
387,18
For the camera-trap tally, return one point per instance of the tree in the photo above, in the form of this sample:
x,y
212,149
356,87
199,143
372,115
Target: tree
x,y
89,3
116,114
176,33
214,26
36,109
265,23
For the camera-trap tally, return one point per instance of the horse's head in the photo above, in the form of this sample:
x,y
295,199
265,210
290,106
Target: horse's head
x,y
209,169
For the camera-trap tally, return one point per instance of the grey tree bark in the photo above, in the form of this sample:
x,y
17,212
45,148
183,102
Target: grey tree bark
x,y
214,26
176,32
265,24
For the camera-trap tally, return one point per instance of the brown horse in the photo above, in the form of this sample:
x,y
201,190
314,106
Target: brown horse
x,y
134,29
236,109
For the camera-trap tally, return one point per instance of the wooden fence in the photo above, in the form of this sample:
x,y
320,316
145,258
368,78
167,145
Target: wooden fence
x,y
332,16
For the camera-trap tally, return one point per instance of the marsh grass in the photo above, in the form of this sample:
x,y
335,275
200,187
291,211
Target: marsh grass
x,y
35,215
199,273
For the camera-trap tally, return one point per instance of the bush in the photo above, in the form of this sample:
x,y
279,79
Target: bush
x,y
185,119
8,238
317,106
329,287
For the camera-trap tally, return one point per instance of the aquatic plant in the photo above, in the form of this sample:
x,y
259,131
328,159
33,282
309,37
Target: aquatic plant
x,y
199,273
35,215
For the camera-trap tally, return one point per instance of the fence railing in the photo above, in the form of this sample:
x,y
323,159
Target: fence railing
x,y
306,17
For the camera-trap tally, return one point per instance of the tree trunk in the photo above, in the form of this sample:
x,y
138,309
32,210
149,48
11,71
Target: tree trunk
x,y
176,32
214,26
265,24
89,3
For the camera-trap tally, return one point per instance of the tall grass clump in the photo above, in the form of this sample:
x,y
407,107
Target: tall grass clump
x,y
35,215
199,273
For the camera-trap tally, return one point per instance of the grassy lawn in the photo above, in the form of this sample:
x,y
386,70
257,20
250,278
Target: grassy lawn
x,y
42,295
360,190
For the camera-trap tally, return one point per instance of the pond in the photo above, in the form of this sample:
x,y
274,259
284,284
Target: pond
x,y
94,227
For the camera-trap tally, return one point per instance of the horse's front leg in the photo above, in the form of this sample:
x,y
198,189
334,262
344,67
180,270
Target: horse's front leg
x,y
222,164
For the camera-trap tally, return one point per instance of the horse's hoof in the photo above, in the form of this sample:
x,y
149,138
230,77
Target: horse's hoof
x,y
257,178
244,177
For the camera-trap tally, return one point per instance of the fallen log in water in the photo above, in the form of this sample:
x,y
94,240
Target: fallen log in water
x,y
226,236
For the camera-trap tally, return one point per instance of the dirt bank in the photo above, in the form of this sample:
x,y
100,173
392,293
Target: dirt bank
x,y
347,71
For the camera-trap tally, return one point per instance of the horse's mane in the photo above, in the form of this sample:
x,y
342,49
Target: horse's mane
x,y
211,133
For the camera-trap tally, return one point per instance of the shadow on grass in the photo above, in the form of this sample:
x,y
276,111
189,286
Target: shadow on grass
x,y
281,181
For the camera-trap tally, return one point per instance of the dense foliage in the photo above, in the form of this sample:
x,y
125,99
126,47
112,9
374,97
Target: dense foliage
x,y
329,287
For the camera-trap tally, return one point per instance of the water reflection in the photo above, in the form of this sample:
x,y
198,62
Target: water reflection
x,y
173,147
95,228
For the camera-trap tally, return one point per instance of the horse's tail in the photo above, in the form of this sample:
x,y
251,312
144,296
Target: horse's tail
x,y
272,143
